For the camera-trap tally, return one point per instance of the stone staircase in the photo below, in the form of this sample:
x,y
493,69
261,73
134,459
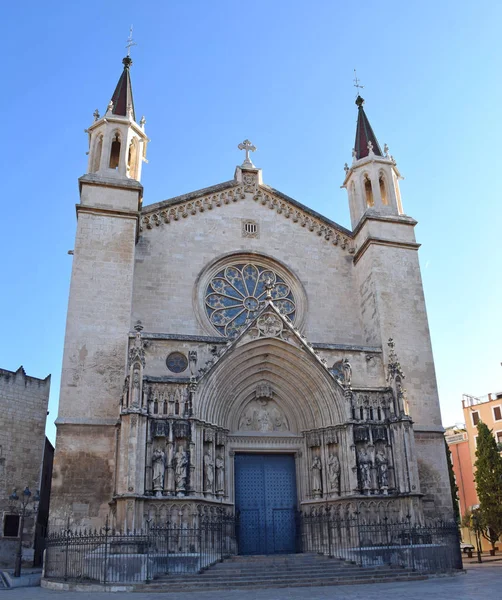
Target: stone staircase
x,y
287,570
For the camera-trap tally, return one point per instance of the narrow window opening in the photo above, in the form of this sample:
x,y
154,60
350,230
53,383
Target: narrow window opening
x,y
164,408
354,413
155,408
98,148
11,526
383,190
497,413
132,159
115,152
379,413
361,413
368,191
475,418
177,408
371,413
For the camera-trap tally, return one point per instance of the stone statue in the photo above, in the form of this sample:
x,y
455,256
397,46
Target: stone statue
x,y
135,388
347,371
192,361
365,465
220,474
208,472
382,463
180,469
370,147
263,418
334,473
316,476
159,467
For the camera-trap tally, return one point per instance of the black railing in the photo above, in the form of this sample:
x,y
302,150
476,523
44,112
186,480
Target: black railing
x,y
434,547
107,556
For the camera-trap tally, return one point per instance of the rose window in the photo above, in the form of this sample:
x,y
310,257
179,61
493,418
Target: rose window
x,y
235,295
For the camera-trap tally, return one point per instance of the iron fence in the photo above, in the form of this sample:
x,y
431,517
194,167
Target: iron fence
x,y
434,547
107,556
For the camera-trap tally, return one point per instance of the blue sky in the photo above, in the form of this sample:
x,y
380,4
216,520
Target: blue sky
x,y
207,75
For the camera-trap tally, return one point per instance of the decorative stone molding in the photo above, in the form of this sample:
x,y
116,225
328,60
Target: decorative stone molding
x,y
322,229
183,210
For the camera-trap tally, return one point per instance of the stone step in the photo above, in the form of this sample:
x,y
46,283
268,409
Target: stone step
x,y
288,571
288,575
178,585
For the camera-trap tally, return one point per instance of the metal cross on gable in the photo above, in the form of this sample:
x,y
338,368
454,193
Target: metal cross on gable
x,y
357,83
130,42
248,147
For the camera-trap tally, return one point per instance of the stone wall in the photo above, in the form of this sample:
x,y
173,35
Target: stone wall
x,y
23,413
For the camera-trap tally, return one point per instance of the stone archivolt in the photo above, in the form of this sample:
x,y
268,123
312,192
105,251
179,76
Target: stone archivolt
x,y
263,391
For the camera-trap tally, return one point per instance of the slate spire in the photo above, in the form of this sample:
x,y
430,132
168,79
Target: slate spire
x,y
122,96
364,133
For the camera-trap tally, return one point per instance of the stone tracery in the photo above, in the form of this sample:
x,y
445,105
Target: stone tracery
x,y
236,293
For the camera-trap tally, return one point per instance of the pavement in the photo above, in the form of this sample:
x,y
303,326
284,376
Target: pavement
x,y
478,583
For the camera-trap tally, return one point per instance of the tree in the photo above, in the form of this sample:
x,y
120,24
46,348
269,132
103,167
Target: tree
x,y
453,484
488,479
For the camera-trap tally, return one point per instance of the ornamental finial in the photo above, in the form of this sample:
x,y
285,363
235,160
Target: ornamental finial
x,y
248,147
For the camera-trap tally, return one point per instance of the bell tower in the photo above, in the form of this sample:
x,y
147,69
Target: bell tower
x,y
372,181
99,311
387,272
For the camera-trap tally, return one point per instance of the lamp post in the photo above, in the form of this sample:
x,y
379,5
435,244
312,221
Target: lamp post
x,y
23,510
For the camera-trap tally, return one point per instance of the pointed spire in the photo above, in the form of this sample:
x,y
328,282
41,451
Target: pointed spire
x,y
122,96
364,134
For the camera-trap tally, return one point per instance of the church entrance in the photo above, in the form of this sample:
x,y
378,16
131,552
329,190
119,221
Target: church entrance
x,y
265,498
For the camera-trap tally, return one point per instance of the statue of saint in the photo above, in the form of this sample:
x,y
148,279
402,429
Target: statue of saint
x,y
158,467
135,388
347,371
316,476
181,469
334,473
208,472
220,474
382,463
365,465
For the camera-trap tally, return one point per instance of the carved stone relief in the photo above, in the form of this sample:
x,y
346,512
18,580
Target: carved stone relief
x,y
263,414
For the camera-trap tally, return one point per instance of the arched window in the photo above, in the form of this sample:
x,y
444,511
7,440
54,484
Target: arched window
x,y
132,159
115,152
96,158
368,191
398,196
383,189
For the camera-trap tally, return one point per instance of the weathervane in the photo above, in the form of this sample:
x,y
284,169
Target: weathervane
x,y
357,83
130,42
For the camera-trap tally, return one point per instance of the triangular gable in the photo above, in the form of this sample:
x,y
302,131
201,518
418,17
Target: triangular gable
x,y
190,205
268,323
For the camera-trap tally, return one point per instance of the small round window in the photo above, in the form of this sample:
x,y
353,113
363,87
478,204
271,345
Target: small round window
x,y
176,362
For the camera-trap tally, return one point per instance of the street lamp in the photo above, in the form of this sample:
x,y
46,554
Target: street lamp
x,y
23,510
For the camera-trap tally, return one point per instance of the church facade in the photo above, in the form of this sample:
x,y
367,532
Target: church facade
x,y
232,348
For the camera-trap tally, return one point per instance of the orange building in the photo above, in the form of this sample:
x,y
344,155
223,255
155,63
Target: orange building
x,y
462,444
458,443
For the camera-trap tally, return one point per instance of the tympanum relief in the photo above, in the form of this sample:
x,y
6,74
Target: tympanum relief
x,y
263,414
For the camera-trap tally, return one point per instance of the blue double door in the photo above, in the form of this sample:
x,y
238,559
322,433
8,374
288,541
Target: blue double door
x,y
265,498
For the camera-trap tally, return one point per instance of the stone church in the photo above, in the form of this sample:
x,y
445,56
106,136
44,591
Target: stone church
x,y
232,348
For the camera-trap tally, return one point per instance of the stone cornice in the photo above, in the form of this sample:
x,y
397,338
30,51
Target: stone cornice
x,y
87,421
111,212
188,205
122,183
207,339
369,215
383,242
